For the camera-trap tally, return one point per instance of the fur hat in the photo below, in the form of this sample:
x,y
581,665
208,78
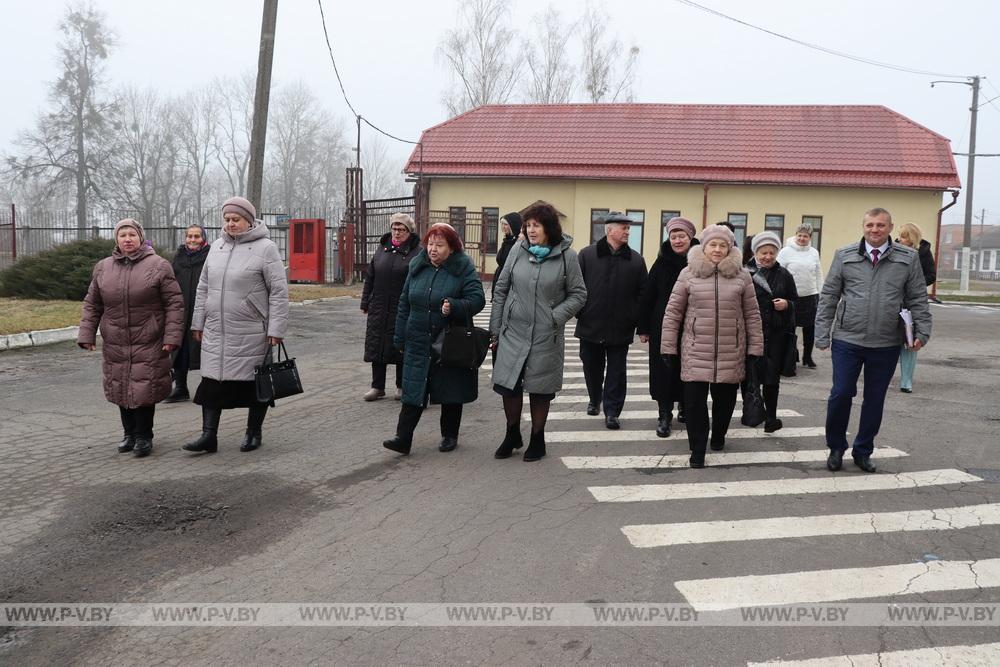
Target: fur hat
x,y
134,224
404,219
241,207
681,224
765,238
717,232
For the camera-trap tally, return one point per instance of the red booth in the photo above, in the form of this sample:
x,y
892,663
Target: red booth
x,y
307,251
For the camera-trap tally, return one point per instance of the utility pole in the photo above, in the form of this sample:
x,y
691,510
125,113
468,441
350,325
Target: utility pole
x,y
973,82
261,99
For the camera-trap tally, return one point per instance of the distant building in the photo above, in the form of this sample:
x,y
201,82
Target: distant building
x,y
759,167
985,251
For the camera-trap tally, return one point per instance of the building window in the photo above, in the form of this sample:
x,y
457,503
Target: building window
x,y
816,222
665,217
947,237
773,222
597,217
456,218
739,223
636,229
491,224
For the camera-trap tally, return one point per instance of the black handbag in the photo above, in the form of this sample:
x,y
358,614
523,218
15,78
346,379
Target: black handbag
x,y
461,347
791,355
754,412
276,379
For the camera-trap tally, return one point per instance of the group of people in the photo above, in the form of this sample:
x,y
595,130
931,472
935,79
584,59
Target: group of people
x,y
713,324
217,306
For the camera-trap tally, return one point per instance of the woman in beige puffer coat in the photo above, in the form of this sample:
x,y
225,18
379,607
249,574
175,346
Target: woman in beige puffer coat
x,y
241,308
715,301
136,302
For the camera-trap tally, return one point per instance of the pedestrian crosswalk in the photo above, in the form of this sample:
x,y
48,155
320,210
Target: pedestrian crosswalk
x,y
745,470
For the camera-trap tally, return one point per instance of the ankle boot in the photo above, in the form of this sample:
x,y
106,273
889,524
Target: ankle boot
x,y
536,447
511,441
180,393
251,441
663,423
208,441
143,446
399,444
127,444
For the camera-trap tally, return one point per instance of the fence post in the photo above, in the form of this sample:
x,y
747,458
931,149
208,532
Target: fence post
x,y
95,232
13,233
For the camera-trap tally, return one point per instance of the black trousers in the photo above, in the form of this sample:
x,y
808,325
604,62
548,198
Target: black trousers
x,y
808,340
182,362
605,389
138,422
378,375
696,411
409,416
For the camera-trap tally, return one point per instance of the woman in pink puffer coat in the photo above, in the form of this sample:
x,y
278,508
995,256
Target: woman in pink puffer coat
x,y
715,302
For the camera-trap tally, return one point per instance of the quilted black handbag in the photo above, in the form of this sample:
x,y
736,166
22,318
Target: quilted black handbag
x,y
276,379
461,347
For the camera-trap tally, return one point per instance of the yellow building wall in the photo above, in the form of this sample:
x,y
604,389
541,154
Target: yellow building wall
x,y
841,208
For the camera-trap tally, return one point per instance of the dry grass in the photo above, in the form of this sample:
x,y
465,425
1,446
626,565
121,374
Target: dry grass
x,y
20,315
305,292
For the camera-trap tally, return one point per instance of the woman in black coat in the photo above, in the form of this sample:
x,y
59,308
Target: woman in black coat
x,y
665,385
510,225
187,264
380,300
776,296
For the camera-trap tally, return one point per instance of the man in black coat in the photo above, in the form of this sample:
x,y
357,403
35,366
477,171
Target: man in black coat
x,y
615,275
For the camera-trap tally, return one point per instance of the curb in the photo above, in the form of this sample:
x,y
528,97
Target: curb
x,y
35,338
49,336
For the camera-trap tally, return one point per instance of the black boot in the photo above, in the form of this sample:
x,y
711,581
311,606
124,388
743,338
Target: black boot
x,y
681,417
251,441
399,444
208,441
663,422
179,394
808,362
511,441
536,447
127,444
255,422
143,446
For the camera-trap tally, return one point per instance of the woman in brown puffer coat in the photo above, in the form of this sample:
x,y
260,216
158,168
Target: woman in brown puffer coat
x,y
136,301
715,302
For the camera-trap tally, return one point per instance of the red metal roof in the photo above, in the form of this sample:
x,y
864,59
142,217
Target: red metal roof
x,y
862,146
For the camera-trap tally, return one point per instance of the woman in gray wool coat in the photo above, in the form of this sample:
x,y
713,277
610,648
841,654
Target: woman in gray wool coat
x,y
540,288
241,309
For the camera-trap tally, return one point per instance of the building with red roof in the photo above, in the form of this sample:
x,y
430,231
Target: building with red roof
x,y
756,166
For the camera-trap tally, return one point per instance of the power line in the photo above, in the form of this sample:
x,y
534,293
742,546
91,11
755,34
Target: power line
x,y
817,47
992,99
333,60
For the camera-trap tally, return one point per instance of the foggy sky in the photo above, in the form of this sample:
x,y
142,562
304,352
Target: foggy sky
x,y
386,51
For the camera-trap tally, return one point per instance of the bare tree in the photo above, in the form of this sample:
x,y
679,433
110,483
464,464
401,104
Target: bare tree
x,y
68,141
551,76
232,140
146,173
608,69
383,171
482,56
197,119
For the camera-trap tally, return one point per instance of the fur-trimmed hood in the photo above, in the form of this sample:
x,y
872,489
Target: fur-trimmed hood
x,y
700,266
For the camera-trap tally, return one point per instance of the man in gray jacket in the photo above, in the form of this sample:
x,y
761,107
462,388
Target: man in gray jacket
x,y
868,285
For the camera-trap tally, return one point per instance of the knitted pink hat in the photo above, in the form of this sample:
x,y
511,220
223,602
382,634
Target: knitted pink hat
x,y
681,224
134,224
241,207
717,232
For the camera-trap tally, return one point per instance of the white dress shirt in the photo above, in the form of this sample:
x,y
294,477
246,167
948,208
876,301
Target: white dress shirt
x,y
881,249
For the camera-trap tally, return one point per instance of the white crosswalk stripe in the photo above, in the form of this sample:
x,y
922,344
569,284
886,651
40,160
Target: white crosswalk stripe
x,y
703,532
711,458
975,655
643,414
841,584
778,487
606,435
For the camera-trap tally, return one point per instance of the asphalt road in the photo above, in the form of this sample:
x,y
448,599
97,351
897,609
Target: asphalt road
x,y
323,514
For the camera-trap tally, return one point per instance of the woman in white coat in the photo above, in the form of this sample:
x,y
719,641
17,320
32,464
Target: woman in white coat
x,y
241,309
802,261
